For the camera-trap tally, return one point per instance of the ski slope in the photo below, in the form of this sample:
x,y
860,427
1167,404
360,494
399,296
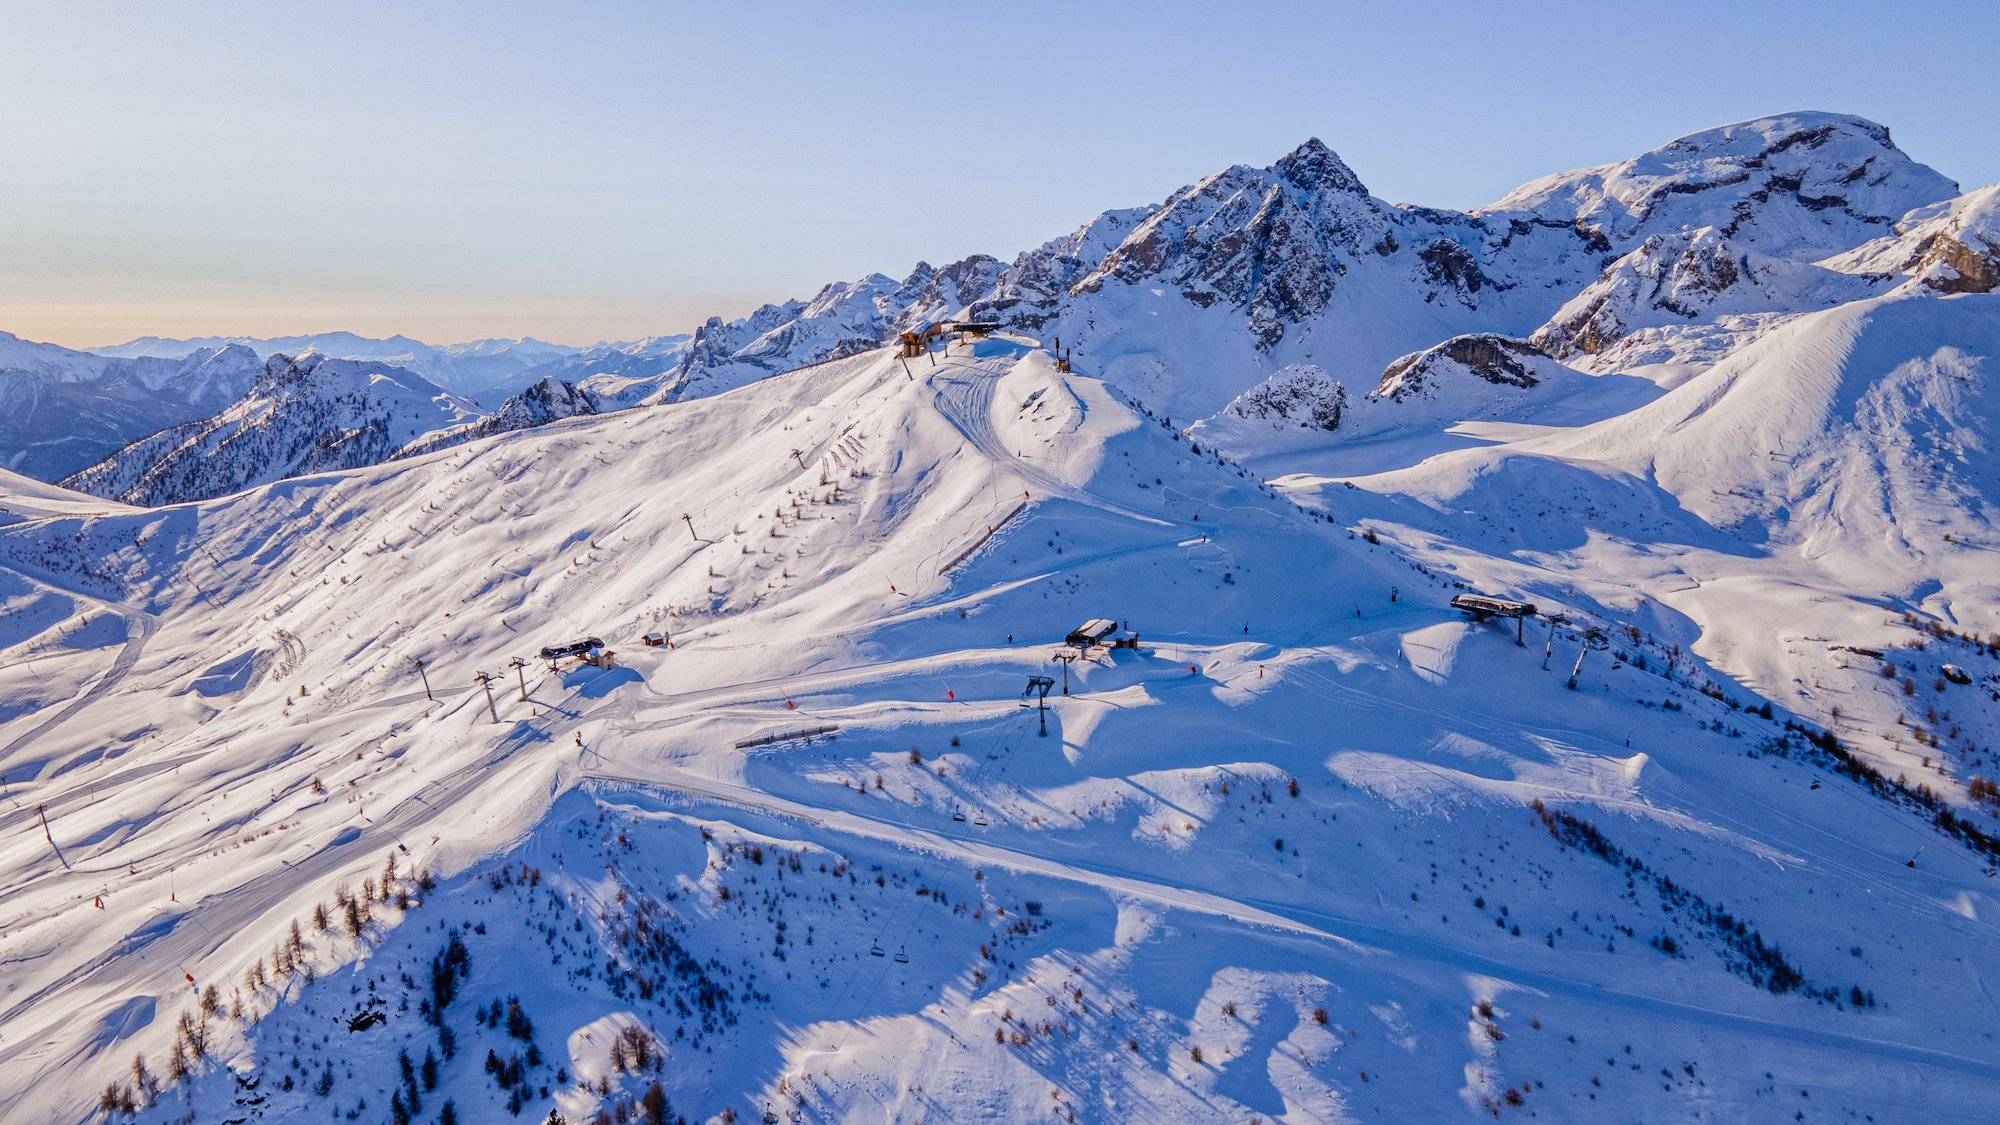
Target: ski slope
x,y
1282,860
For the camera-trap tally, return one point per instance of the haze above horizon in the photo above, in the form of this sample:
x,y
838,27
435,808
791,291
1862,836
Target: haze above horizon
x,y
460,170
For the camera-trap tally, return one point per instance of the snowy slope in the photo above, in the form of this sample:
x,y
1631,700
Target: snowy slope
x,y
306,414
1317,848
23,498
1825,486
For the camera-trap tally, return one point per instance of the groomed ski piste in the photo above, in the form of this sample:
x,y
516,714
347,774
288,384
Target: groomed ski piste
x,y
1319,848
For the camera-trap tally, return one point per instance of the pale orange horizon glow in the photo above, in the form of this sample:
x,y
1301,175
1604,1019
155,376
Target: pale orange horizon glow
x,y
433,318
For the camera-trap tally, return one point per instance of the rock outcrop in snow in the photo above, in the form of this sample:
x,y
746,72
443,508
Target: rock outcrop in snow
x,y
1301,395
1486,358
1951,247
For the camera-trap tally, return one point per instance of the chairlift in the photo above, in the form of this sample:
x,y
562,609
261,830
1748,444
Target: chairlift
x,y
902,958
958,815
876,951
979,819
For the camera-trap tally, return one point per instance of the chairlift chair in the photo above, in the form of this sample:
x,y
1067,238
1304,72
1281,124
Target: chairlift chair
x,y
902,958
979,819
876,951
958,815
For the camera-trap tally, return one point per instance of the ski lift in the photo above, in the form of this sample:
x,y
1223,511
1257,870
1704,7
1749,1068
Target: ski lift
x,y
958,815
979,819
876,951
902,958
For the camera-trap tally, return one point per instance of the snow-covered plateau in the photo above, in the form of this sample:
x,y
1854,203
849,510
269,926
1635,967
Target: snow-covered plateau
x,y
298,823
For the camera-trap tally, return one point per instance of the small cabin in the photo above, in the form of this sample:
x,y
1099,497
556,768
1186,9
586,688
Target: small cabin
x,y
919,341
655,639
586,648
977,329
1091,632
1480,606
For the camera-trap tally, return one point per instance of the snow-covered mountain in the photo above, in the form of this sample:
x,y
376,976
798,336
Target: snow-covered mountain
x,y
1189,302
1709,833
1677,255
545,402
1798,186
65,409
306,414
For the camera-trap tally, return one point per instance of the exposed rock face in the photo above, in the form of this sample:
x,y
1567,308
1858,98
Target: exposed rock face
x,y
1952,247
1299,395
306,414
1684,277
550,400
1494,359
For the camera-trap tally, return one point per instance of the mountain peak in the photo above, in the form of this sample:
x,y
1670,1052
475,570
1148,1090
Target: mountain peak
x,y
1312,165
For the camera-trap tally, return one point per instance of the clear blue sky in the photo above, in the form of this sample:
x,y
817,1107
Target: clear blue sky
x,y
580,171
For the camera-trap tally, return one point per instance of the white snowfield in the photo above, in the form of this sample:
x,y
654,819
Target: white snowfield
x,y
1319,848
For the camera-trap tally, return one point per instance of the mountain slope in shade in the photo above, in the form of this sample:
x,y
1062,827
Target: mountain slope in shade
x,y
66,409
306,414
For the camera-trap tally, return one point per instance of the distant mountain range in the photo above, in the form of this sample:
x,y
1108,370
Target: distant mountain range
x,y
1675,256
